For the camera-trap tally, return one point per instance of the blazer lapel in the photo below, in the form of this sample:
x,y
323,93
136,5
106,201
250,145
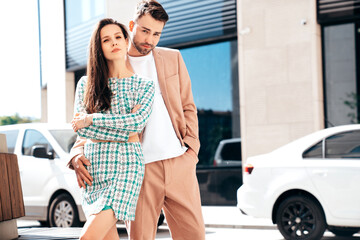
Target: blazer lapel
x,y
159,63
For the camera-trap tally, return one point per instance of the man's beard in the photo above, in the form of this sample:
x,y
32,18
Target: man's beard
x,y
142,50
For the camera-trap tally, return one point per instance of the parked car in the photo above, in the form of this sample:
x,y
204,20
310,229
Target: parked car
x,y
218,183
50,191
228,152
307,186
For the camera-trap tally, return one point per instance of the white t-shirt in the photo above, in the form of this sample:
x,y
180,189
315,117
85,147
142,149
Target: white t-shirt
x,y
159,139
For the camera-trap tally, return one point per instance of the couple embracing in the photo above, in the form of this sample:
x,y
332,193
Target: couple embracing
x,y
137,126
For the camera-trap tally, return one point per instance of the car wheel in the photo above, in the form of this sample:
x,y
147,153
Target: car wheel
x,y
343,231
299,217
63,212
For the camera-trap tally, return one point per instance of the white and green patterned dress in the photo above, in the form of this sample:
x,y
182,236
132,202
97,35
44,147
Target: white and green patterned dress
x,y
117,168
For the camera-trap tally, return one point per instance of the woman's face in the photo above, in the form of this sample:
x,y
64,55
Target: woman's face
x,y
113,43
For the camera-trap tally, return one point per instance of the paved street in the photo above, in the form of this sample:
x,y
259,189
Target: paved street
x,y
222,223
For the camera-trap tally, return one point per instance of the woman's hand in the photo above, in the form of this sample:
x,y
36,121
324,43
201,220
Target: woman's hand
x,y
81,120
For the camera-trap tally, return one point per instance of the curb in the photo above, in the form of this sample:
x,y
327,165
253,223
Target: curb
x,y
241,226
258,227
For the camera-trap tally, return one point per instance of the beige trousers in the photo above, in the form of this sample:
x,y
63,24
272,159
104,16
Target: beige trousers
x,y
170,185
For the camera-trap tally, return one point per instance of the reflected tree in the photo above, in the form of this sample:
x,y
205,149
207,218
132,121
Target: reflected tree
x,y
353,103
214,126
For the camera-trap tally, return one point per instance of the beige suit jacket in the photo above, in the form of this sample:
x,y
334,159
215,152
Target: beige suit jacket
x,y
175,85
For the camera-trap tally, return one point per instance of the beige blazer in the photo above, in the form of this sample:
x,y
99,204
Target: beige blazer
x,y
175,85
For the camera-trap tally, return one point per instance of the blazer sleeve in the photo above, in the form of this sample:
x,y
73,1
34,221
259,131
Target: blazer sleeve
x,y
94,132
133,122
191,139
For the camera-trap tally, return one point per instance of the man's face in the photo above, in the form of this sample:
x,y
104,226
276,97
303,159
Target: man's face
x,y
146,34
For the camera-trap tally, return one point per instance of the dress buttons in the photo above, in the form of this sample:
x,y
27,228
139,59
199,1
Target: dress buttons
x,y
114,81
114,92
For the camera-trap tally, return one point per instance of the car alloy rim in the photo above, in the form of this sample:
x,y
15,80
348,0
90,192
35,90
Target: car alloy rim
x,y
64,214
298,220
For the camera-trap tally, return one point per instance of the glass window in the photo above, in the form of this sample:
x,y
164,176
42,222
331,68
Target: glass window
x,y
340,74
80,19
343,145
194,21
11,136
210,72
314,152
214,80
231,151
81,11
66,138
34,138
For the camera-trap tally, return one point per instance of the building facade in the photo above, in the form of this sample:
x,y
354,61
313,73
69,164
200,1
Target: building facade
x,y
268,71
298,65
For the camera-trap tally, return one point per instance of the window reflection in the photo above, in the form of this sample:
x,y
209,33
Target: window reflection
x,y
80,18
214,78
35,138
65,138
314,152
343,145
209,67
340,73
81,11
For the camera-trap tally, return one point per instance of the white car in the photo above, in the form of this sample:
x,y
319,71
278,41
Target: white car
x,y
50,191
307,186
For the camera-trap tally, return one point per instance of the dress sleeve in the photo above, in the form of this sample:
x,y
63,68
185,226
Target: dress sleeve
x,y
133,122
94,132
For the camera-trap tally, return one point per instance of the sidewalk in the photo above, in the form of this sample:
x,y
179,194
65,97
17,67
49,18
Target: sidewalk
x,y
231,217
214,217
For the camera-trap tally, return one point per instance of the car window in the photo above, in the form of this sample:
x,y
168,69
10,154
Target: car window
x,y
231,151
314,151
65,137
343,145
11,136
34,138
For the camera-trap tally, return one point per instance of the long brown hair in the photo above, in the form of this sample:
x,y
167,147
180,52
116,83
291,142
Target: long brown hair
x,y
97,92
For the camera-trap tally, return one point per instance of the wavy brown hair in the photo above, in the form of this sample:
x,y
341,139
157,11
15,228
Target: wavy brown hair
x,y
97,92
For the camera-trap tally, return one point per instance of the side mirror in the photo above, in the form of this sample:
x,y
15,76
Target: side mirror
x,y
39,151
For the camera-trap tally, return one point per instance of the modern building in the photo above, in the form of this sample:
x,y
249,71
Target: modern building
x,y
298,65
268,71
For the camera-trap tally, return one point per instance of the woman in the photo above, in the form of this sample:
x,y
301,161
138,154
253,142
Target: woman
x,y
112,105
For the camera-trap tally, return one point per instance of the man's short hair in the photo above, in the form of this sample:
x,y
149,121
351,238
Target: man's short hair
x,y
153,8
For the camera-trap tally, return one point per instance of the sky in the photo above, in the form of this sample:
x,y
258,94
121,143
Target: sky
x,y
19,50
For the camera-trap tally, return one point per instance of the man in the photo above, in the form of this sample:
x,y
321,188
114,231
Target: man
x,y
170,140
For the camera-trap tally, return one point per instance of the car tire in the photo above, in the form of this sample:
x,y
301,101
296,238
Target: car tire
x,y
343,231
300,217
63,212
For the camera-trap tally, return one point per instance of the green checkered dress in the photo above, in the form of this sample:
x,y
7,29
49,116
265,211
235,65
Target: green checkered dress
x,y
117,168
